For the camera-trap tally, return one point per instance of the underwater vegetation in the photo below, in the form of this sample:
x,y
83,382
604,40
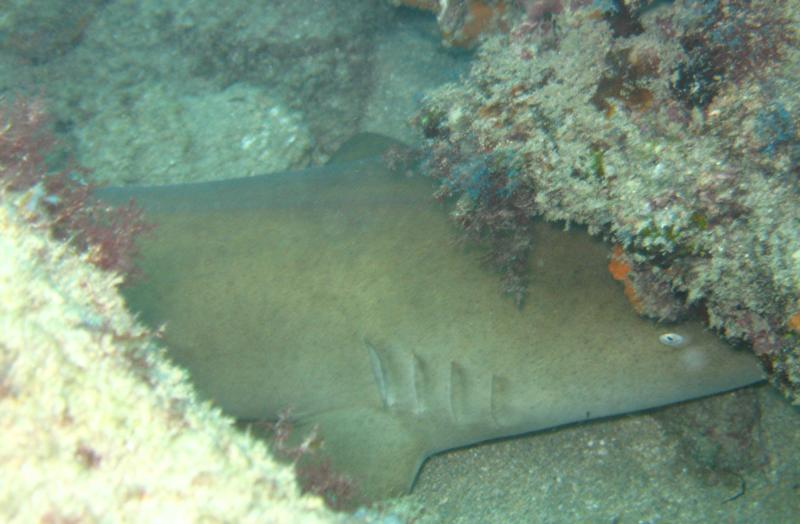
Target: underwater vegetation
x,y
316,477
490,206
667,127
61,199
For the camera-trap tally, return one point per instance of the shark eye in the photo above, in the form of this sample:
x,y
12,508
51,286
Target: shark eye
x,y
672,340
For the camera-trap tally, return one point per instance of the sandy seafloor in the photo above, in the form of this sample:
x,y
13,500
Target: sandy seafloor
x,y
633,468
733,458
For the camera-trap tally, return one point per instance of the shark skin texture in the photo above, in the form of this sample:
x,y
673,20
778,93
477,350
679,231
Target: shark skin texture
x,y
341,292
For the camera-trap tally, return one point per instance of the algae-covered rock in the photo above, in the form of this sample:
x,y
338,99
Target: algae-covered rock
x,y
97,426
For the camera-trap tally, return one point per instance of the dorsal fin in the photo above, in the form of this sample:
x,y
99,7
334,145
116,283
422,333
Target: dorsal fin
x,y
362,146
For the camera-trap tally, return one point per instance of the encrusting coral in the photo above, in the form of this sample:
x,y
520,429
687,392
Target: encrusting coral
x,y
97,426
668,128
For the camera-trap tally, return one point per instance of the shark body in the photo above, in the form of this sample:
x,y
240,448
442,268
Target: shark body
x,y
340,292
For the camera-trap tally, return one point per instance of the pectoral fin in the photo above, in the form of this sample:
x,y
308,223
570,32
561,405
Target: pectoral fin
x,y
374,447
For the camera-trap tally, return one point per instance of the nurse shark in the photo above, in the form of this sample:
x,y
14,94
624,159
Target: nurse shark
x,y
341,292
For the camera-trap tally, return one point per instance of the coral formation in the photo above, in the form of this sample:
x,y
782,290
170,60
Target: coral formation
x,y
61,201
464,22
669,128
133,442
97,426
314,475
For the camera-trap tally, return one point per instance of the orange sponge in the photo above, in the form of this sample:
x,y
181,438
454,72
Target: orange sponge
x,y
794,323
619,268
